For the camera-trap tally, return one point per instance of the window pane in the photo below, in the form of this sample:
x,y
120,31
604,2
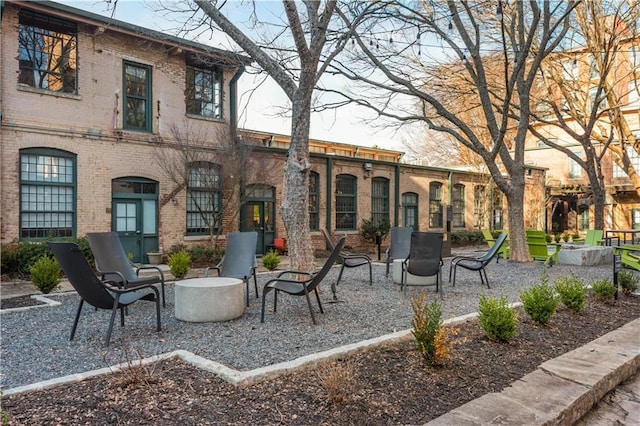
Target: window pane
x,y
380,200
435,205
346,218
204,92
204,199
458,206
314,201
137,97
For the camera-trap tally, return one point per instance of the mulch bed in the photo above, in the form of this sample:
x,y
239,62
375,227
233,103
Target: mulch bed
x,y
19,302
387,385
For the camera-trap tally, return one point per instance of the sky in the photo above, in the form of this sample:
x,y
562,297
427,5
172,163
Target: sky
x,y
258,112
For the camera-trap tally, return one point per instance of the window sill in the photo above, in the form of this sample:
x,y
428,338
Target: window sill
x,y
25,88
202,117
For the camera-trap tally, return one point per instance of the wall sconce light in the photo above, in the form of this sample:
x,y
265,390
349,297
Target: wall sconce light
x,y
174,200
367,169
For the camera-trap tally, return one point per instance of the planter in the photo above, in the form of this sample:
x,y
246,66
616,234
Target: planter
x,y
155,258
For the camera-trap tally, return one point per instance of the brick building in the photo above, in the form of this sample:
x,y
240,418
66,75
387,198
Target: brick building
x,y
91,106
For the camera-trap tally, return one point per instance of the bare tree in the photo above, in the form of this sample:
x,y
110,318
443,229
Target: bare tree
x,y
487,62
582,92
211,168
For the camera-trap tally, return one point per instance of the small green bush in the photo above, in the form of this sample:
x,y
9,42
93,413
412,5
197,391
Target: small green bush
x,y
603,289
571,291
628,281
45,274
548,237
540,301
497,318
370,228
179,264
427,321
271,260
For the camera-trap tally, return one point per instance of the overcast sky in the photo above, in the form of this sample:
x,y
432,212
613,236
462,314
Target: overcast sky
x,y
257,113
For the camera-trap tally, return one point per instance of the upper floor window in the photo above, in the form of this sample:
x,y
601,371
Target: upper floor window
x,y
204,198
47,52
314,201
137,96
479,206
47,193
458,206
634,57
204,92
346,203
593,68
379,200
634,159
435,205
632,96
575,170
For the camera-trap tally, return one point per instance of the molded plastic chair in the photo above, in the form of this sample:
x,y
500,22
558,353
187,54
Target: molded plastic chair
x,y
490,240
112,262
425,257
539,248
478,263
301,287
349,260
107,294
239,260
400,244
594,237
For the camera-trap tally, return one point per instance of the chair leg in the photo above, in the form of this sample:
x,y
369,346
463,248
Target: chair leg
x,y
164,299
455,269
158,325
246,284
255,283
75,323
116,302
335,285
313,317
370,274
486,279
265,291
387,273
122,316
318,299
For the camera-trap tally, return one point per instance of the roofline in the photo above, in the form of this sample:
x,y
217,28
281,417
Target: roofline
x,y
229,58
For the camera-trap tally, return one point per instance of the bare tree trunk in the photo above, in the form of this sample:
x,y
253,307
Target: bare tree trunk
x,y
518,248
295,203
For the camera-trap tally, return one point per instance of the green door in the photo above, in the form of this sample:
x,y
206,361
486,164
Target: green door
x,y
259,215
135,216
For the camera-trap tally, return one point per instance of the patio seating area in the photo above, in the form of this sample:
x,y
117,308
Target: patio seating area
x,y
365,312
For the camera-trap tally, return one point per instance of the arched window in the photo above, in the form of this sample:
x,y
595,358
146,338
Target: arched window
x,y
346,203
435,205
458,206
314,201
380,200
204,198
47,193
410,210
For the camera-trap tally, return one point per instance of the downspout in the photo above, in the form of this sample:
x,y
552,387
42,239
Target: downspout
x,y
396,206
329,175
233,132
233,99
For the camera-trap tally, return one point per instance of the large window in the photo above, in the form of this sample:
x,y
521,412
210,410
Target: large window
x,y
346,203
47,52
47,194
204,198
314,201
458,206
410,210
380,200
137,97
204,92
634,159
435,205
575,170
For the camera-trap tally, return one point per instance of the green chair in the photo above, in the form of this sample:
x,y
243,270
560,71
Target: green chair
x,y
490,240
539,248
629,256
594,237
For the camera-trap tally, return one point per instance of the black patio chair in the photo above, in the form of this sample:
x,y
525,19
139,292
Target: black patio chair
x,y
478,263
239,260
348,260
301,287
102,294
113,264
400,244
425,257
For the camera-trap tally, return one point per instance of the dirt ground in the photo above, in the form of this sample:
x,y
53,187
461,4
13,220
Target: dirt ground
x,y
388,385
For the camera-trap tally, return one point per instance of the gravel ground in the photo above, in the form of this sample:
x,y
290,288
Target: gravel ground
x,y
36,346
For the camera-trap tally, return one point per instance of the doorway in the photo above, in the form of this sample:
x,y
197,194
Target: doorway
x,y
259,215
134,216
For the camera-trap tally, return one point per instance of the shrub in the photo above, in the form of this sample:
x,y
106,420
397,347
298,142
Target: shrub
x,y
540,301
628,281
565,237
497,318
45,274
427,326
339,382
571,292
369,229
179,263
271,260
548,237
603,289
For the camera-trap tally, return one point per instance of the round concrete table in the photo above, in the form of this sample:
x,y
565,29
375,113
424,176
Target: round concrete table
x,y
209,299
